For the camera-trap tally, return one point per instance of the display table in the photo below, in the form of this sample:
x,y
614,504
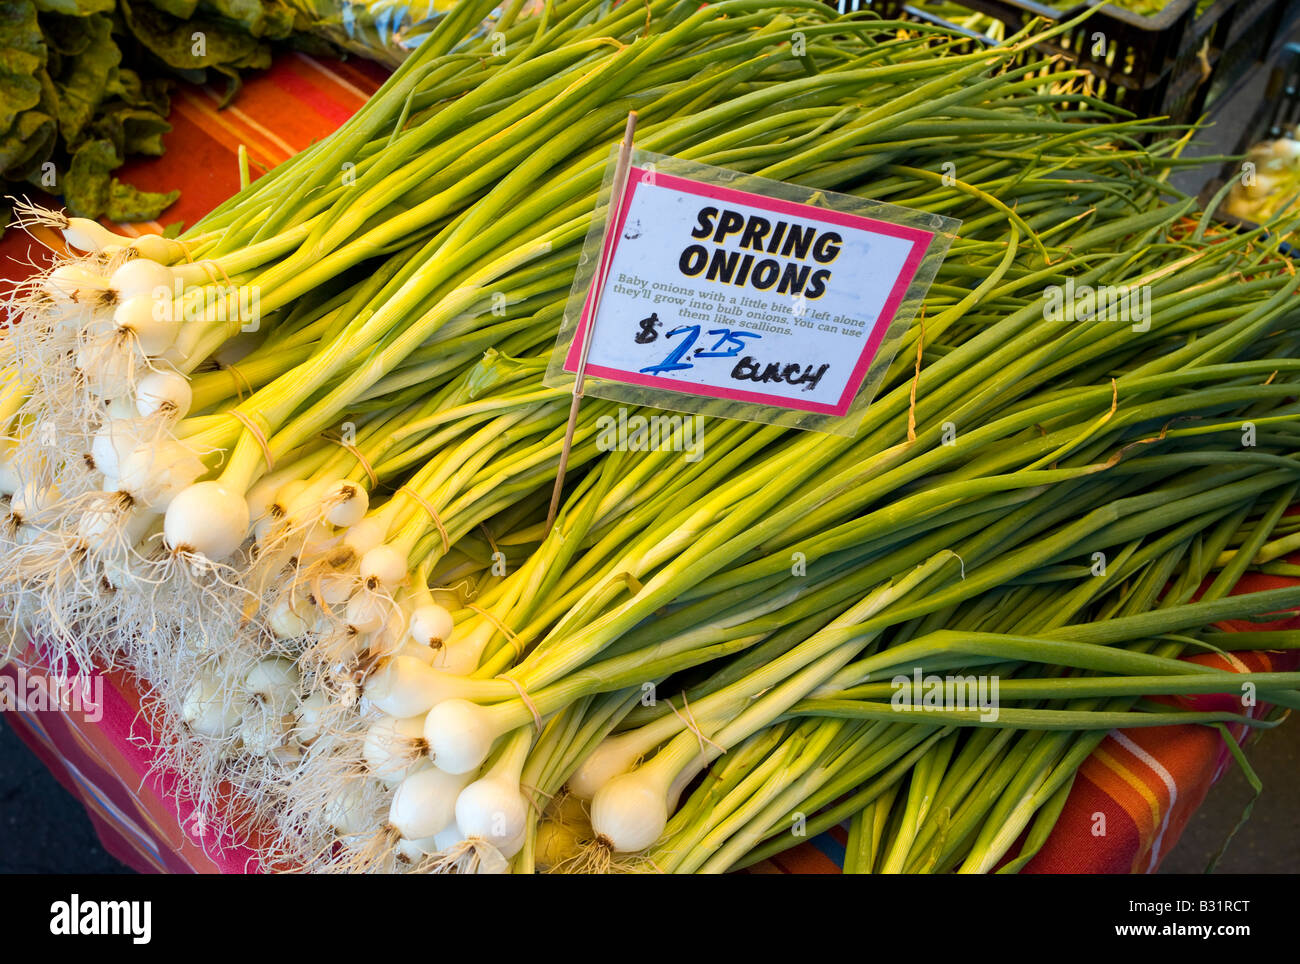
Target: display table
x,y
1145,782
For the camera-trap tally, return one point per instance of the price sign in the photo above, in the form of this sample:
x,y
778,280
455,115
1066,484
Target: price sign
x,y
744,297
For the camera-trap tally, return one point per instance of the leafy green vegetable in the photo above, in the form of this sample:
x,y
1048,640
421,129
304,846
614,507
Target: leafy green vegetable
x,y
89,187
26,144
127,203
195,43
22,54
141,130
86,186
183,9
84,84
75,8
69,36
271,21
84,78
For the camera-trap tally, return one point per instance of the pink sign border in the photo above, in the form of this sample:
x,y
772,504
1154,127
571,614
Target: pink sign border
x,y
920,242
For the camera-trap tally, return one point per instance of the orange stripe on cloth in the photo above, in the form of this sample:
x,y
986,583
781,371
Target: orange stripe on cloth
x,y
343,94
360,84
1166,783
1128,789
221,126
264,132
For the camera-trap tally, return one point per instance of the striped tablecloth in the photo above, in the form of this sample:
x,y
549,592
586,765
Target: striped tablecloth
x,y
1146,783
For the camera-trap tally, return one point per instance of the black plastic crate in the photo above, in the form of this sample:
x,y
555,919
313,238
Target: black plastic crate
x,y
1277,115
1279,108
1171,64
1244,38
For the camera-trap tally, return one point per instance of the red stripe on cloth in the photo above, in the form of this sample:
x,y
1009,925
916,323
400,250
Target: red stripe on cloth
x,y
113,758
365,75
1094,835
804,859
119,828
298,80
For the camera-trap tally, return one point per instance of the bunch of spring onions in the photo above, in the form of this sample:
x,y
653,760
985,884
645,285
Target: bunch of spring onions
x,y
1272,182
292,469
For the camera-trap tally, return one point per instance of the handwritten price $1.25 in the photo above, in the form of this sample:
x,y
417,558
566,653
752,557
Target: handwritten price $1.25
x,y
729,344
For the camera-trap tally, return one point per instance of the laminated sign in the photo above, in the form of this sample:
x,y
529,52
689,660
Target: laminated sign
x,y
727,294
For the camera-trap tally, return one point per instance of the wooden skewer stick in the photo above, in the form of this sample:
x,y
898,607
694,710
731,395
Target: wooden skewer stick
x,y
617,189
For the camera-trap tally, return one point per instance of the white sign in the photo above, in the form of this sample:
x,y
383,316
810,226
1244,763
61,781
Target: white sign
x,y
728,294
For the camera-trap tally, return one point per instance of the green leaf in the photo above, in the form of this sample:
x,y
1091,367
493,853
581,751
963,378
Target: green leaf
x,y
194,44
20,30
22,55
144,130
25,145
68,35
152,94
75,8
132,130
127,203
184,9
82,82
234,83
259,19
86,186
36,137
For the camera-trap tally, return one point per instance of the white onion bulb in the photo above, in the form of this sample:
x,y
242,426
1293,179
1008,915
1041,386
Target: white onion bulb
x,y
392,745
460,734
494,809
383,566
404,686
364,536
366,612
111,444
346,503
431,625
154,322
155,474
311,714
612,756
141,277
290,616
74,283
349,812
208,519
163,390
631,810
209,710
425,802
